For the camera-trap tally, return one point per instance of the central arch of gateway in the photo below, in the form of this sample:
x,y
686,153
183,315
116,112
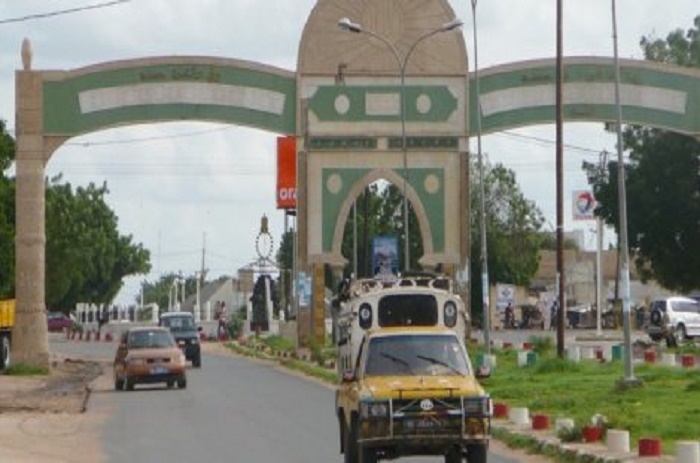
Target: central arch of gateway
x,y
343,106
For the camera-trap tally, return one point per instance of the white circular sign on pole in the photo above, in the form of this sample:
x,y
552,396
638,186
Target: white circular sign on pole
x,y
583,205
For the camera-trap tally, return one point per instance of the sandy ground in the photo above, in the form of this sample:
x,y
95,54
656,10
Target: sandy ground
x,y
43,419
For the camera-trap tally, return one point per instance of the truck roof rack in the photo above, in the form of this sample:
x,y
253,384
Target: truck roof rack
x,y
349,289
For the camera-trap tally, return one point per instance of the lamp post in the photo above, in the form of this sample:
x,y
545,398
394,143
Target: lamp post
x,y
622,206
482,198
347,25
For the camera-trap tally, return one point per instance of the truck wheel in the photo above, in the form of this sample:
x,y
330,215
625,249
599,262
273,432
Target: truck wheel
x,y
477,453
454,456
350,442
118,384
197,361
4,352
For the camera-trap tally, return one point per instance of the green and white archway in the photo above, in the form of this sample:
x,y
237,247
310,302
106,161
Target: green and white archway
x,y
343,105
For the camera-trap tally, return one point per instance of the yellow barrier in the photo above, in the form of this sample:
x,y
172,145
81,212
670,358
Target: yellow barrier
x,y
7,313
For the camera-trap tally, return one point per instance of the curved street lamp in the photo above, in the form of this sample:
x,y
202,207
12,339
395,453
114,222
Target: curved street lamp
x,y
347,25
484,261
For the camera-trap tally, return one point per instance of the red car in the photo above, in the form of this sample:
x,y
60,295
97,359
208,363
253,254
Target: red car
x,y
58,321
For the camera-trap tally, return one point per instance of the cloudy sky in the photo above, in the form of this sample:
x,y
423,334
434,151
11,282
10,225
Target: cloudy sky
x,y
181,188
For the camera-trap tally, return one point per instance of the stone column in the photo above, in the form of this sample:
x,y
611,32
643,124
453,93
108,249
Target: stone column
x,y
30,337
318,303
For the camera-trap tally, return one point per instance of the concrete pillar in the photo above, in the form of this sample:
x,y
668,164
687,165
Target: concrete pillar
x,y
30,337
318,304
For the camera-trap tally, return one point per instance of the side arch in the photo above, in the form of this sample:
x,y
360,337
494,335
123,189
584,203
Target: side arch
x,y
652,94
357,189
168,88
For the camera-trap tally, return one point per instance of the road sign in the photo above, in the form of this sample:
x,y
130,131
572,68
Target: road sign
x,y
583,205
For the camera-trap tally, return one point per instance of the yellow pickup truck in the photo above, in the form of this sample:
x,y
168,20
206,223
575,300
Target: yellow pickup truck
x,y
413,392
7,321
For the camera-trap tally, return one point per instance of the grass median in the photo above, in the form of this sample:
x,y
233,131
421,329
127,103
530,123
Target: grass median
x,y
664,404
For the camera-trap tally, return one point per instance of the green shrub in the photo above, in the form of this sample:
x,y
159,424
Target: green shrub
x,y
542,344
573,434
22,369
280,343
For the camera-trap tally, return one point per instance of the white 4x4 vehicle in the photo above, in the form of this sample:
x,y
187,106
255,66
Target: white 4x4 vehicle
x,y
674,319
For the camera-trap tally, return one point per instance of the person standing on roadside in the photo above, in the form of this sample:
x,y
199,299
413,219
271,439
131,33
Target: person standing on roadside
x,y
510,317
553,312
221,329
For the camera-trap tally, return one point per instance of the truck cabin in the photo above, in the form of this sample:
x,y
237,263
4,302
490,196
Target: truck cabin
x,y
400,305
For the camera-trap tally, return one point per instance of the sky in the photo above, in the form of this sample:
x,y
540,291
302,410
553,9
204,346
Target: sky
x,y
194,193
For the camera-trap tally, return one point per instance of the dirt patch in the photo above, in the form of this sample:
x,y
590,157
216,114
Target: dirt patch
x,y
64,390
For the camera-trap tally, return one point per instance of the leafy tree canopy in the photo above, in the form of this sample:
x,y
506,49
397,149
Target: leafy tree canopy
x,y
86,257
662,185
7,215
513,237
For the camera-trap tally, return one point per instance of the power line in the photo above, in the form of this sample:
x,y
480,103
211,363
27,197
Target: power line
x,y
88,144
545,141
62,12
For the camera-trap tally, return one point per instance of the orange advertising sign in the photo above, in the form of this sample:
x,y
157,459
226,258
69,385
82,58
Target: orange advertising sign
x,y
286,172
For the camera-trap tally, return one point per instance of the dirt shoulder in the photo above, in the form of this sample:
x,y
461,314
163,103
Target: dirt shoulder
x,y
42,418
64,390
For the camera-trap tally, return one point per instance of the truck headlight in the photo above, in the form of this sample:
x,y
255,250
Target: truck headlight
x,y
374,409
477,406
450,314
365,313
136,361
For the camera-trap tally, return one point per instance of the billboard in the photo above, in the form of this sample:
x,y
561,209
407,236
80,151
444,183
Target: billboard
x,y
583,205
286,173
385,256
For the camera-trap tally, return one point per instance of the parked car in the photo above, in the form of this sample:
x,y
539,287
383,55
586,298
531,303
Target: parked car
x,y
186,333
58,321
674,319
148,355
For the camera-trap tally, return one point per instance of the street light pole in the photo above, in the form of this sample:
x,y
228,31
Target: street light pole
x,y
622,205
347,25
482,197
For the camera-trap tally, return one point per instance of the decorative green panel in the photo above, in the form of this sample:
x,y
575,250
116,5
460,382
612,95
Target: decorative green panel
x,y
323,103
64,115
671,100
345,179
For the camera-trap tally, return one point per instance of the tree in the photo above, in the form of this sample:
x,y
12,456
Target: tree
x,y
513,235
7,216
86,257
662,185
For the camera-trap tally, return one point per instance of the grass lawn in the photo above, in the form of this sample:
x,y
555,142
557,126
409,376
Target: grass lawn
x,y
666,405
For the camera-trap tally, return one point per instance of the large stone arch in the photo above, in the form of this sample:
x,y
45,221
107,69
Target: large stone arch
x,y
351,118
342,105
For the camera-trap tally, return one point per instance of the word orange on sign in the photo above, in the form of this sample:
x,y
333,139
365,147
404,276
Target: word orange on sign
x,y
286,173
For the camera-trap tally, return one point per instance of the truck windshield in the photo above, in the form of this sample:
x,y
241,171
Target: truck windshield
x,y
412,355
179,323
407,310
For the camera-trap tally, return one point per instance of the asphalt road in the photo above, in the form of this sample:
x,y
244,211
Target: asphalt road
x,y
234,409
